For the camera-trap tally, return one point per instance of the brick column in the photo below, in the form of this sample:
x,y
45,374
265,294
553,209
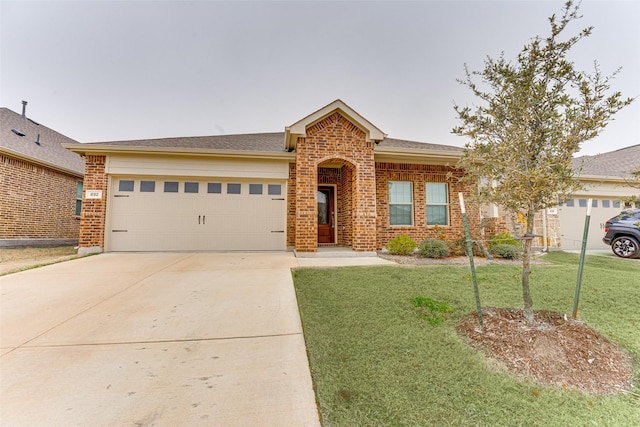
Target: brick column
x,y
94,211
306,204
364,215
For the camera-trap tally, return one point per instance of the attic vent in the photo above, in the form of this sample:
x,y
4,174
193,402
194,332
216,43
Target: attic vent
x,y
17,132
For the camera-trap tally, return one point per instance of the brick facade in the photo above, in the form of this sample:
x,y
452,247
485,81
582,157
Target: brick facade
x,y
92,222
419,175
335,152
36,202
333,141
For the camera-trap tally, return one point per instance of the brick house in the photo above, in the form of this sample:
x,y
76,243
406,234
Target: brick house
x,y
605,179
40,184
332,178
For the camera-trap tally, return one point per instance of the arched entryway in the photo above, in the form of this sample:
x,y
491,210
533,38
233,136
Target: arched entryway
x,y
334,164
334,201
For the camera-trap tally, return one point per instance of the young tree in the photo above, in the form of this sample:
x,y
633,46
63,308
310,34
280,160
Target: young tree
x,y
634,181
534,114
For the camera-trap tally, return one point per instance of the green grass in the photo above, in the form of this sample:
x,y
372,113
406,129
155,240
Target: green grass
x,y
376,362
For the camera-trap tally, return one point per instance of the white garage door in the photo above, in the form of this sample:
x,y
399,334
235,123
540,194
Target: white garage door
x,y
167,214
572,218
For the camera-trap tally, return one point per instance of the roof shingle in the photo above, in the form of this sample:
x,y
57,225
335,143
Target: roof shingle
x,y
49,151
258,142
612,164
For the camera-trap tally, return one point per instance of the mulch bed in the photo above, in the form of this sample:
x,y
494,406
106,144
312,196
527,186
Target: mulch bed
x,y
555,351
477,261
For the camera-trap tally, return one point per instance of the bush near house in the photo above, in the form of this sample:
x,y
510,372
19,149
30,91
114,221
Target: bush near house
x,y
503,239
434,248
401,245
506,246
507,251
459,247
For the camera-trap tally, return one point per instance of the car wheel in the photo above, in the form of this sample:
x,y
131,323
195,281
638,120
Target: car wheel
x,y
625,247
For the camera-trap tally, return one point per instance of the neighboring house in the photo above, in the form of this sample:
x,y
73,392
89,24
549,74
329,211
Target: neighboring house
x,y
40,184
606,181
332,178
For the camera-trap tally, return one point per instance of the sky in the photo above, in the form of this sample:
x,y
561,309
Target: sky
x,y
124,70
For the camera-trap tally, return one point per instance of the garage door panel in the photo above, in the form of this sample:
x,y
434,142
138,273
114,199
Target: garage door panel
x,y
572,218
159,221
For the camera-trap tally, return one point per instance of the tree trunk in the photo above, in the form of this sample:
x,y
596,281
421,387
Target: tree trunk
x,y
526,271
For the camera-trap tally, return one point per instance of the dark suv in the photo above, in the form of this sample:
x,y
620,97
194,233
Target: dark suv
x,y
623,234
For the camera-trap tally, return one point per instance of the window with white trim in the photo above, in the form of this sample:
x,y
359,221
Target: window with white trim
x,y
400,203
437,203
79,190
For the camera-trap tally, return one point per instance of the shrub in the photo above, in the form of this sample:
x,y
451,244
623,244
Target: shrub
x,y
507,251
434,248
459,247
503,239
401,245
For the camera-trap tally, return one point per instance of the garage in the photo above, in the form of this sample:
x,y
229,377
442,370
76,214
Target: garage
x,y
572,218
164,213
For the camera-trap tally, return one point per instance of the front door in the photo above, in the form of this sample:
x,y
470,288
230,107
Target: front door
x,y
326,215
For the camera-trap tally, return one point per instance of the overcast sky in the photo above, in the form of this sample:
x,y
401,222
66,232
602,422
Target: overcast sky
x,y
102,71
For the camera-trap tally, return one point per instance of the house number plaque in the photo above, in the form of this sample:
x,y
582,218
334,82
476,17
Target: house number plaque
x,y
93,194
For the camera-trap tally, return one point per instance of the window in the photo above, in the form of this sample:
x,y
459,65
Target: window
x,y
571,203
214,188
605,203
594,203
79,189
255,188
147,186
170,187
616,204
191,187
582,203
274,189
400,203
234,188
125,185
437,203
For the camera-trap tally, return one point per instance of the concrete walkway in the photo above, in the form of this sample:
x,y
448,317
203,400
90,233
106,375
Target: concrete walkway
x,y
160,339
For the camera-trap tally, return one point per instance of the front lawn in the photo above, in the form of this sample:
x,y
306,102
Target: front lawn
x,y
376,362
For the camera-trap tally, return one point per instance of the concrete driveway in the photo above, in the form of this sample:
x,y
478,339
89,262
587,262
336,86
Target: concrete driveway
x,y
162,339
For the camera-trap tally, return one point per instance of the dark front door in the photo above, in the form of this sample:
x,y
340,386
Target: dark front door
x,y
326,215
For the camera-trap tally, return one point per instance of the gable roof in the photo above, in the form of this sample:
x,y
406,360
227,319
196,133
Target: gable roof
x,y
269,145
613,165
263,145
299,128
28,140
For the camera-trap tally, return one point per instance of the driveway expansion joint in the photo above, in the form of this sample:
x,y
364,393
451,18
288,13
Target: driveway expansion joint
x,y
97,344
